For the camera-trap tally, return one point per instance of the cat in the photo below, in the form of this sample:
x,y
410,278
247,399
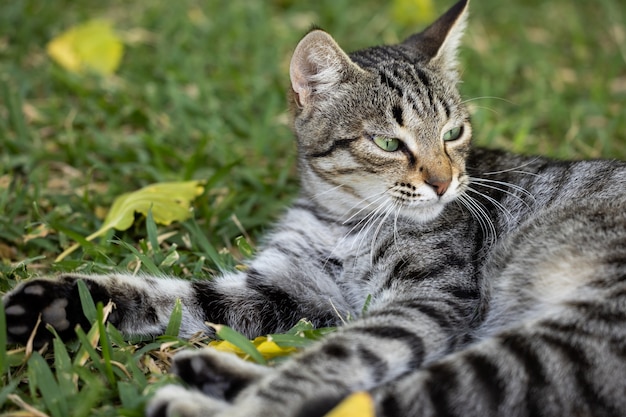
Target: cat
x,y
497,282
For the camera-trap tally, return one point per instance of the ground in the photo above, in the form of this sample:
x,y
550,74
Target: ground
x,y
200,95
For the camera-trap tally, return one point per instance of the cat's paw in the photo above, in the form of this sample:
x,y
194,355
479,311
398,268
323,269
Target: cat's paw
x,y
223,385
56,302
173,400
176,401
217,374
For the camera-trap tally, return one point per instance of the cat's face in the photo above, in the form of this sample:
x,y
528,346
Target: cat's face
x,y
383,130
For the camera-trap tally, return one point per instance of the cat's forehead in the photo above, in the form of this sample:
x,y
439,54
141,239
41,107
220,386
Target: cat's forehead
x,y
375,56
398,73
412,93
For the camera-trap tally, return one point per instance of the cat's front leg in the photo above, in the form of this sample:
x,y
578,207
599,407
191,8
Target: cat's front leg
x,y
142,304
216,379
222,384
220,375
176,401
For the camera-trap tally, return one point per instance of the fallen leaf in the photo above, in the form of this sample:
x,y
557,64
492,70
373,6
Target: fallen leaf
x,y
168,202
359,404
412,12
264,345
91,46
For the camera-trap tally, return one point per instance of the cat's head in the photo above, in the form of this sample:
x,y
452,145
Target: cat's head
x,y
382,129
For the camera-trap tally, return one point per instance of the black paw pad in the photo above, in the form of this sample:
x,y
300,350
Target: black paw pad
x,y
55,302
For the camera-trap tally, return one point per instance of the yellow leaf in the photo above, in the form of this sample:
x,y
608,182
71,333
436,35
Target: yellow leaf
x,y
168,202
264,345
91,46
359,404
412,12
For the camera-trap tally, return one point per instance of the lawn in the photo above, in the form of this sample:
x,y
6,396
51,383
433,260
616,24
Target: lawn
x,y
200,95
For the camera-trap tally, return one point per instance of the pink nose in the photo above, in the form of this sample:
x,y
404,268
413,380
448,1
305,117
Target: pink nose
x,y
440,185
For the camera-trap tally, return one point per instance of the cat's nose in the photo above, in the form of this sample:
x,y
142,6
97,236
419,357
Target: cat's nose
x,y
440,185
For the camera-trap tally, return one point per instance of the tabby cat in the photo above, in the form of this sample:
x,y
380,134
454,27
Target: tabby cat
x,y
497,282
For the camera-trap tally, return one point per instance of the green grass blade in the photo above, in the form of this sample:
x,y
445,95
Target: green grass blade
x,y
86,301
129,395
43,380
366,305
3,340
239,340
301,326
116,336
176,318
92,393
138,377
63,367
244,246
16,116
7,390
105,346
301,335
206,246
148,263
290,340
153,236
86,348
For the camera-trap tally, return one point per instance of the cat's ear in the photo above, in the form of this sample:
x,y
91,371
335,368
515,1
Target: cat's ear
x,y
318,64
440,41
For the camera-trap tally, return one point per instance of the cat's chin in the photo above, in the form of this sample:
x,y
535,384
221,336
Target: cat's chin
x,y
424,214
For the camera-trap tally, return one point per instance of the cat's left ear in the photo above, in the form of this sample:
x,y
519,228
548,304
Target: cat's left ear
x,y
440,41
317,66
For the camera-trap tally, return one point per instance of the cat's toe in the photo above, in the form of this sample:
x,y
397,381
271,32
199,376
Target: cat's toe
x,y
217,374
173,400
45,300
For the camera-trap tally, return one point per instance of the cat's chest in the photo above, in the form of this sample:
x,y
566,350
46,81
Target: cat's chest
x,y
361,271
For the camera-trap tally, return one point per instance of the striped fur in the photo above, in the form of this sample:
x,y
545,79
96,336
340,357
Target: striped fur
x,y
497,282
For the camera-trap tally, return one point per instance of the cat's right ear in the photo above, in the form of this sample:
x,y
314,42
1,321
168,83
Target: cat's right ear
x,y
318,64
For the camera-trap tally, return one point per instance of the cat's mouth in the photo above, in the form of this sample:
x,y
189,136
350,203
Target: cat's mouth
x,y
423,203
411,195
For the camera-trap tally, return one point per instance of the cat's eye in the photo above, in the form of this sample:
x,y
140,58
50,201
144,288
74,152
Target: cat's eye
x,y
453,134
387,144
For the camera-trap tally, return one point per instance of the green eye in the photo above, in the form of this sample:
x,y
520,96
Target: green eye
x,y
387,144
452,134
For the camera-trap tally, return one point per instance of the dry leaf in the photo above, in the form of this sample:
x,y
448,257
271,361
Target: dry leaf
x,y
412,12
91,46
264,345
359,404
168,202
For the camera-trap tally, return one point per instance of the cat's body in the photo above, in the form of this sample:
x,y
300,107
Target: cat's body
x,y
497,282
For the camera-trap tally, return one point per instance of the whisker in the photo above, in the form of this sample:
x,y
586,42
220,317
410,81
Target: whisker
x,y
376,214
365,232
327,191
480,213
493,187
397,207
504,183
529,173
367,221
495,203
361,223
376,200
513,169
486,98
389,211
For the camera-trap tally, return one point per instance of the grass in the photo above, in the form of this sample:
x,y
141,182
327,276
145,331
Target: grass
x,y
200,95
